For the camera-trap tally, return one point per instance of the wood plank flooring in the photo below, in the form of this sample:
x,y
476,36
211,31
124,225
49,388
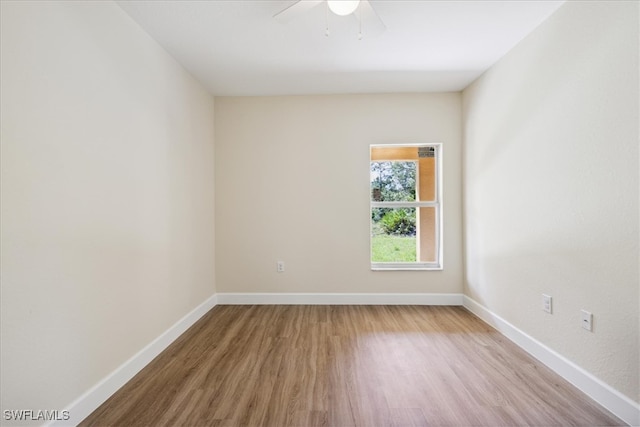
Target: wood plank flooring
x,y
346,366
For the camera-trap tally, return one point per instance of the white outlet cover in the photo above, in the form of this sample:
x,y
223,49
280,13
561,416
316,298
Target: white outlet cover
x,y
546,303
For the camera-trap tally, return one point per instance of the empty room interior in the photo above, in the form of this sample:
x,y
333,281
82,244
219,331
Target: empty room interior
x,y
351,213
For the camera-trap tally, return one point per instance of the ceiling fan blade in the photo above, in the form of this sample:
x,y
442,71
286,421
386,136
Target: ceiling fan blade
x,y
372,25
295,9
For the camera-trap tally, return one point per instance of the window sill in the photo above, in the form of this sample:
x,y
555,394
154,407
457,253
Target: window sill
x,y
400,266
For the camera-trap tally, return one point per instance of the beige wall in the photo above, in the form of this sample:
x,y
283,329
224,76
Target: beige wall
x,y
551,187
292,184
107,197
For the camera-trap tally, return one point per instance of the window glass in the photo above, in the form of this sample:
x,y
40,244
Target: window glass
x,y
393,235
393,181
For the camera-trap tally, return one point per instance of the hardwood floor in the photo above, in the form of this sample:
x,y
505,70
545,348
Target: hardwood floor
x,y
346,366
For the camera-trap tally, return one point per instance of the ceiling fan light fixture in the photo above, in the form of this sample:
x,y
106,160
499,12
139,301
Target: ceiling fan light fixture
x,y
343,7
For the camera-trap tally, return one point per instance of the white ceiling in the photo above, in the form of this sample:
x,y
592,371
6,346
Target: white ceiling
x,y
236,47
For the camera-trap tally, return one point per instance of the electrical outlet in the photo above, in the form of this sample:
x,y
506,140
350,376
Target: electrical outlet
x,y
280,266
586,320
546,303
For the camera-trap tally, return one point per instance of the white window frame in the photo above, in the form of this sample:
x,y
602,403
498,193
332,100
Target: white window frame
x,y
437,203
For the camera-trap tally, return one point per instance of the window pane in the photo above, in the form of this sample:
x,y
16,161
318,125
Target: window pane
x,y
426,231
393,181
393,235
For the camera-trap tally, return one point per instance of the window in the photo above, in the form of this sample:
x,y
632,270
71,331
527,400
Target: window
x,y
406,207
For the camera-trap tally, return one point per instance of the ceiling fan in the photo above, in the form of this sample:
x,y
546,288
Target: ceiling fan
x,y
368,19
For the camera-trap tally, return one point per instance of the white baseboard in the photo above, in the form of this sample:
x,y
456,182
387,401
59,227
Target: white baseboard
x,y
337,299
614,401
97,395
